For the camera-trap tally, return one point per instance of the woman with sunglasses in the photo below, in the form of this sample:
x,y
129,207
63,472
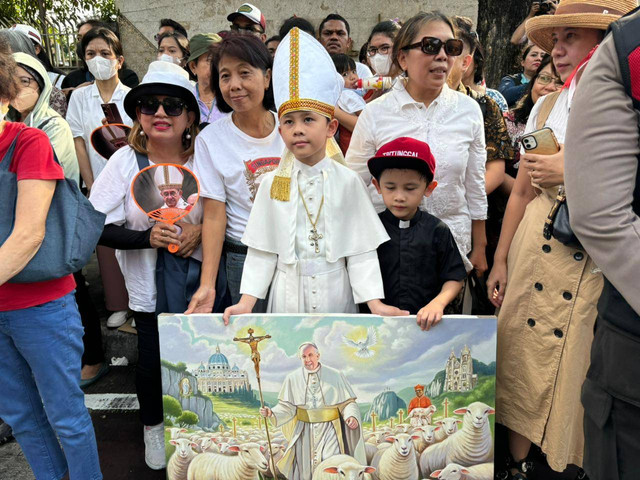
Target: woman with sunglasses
x,y
103,54
422,106
232,155
167,116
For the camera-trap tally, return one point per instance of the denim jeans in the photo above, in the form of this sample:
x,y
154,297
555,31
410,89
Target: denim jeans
x,y
40,358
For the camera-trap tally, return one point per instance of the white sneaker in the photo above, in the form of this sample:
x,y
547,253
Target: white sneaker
x,y
154,453
117,319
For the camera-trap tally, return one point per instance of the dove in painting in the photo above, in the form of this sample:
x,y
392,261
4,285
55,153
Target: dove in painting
x,y
363,346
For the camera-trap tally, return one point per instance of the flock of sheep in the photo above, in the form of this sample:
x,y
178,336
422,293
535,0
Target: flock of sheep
x,y
454,448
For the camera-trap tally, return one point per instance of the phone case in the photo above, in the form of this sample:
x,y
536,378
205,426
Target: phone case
x,y
111,113
541,142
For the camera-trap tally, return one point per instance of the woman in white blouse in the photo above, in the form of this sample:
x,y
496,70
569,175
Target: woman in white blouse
x,y
422,106
102,52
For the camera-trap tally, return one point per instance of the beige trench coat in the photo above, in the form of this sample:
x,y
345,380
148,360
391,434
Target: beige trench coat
x,y
545,330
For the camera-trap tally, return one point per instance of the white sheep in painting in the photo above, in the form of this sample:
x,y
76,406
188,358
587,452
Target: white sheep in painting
x,y
370,450
342,467
207,444
403,428
214,466
371,445
448,426
174,431
278,453
376,437
398,462
182,456
427,436
453,471
471,445
422,416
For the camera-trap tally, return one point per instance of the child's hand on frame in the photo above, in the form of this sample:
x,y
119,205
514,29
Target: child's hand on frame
x,y
430,315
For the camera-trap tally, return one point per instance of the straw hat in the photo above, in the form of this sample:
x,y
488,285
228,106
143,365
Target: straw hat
x,y
596,14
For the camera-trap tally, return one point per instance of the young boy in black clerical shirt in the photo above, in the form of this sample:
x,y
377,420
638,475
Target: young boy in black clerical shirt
x,y
422,270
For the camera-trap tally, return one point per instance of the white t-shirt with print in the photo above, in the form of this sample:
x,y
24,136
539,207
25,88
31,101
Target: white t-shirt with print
x,y
229,165
85,115
111,195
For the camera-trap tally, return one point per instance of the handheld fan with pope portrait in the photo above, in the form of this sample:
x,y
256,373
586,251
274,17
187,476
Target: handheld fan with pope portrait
x,y
166,192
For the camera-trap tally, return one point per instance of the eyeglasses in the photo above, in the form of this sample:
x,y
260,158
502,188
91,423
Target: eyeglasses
x,y
547,79
249,29
26,81
172,106
432,46
383,49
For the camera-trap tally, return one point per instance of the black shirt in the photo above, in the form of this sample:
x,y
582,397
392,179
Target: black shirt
x,y
418,260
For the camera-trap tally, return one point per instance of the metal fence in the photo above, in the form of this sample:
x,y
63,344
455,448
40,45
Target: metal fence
x,y
59,40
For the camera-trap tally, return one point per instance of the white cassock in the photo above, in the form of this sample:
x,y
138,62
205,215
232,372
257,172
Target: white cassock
x,y
317,402
344,272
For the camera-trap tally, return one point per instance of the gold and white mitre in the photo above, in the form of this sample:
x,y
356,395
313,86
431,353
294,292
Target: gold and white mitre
x,y
304,79
168,176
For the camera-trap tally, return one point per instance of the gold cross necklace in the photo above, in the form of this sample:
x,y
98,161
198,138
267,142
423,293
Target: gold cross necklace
x,y
315,236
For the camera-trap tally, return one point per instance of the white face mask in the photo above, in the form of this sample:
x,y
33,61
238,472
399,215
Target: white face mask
x,y
380,63
168,58
102,68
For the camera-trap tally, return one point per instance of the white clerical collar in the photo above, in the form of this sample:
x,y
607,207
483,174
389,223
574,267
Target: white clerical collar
x,y
309,372
311,171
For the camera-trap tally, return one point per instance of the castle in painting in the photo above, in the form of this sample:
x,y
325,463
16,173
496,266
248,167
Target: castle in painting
x,y
459,376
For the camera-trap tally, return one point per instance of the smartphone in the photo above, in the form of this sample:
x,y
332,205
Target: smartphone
x,y
540,142
111,113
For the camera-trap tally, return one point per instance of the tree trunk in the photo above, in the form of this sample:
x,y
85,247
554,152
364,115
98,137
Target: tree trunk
x,y
497,20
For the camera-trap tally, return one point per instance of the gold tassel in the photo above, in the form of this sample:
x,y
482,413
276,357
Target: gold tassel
x,y
281,188
334,153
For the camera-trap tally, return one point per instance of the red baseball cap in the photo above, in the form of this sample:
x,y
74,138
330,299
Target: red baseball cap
x,y
251,12
405,153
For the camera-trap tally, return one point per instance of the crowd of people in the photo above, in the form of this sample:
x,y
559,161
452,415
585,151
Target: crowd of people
x,y
396,184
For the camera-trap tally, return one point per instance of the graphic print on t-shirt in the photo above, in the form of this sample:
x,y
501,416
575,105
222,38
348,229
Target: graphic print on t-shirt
x,y
255,169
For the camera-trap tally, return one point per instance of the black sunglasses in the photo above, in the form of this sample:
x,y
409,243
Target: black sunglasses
x,y
432,45
172,106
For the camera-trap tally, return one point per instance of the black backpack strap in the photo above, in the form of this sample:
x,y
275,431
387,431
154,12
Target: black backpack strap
x,y
482,102
143,160
626,33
